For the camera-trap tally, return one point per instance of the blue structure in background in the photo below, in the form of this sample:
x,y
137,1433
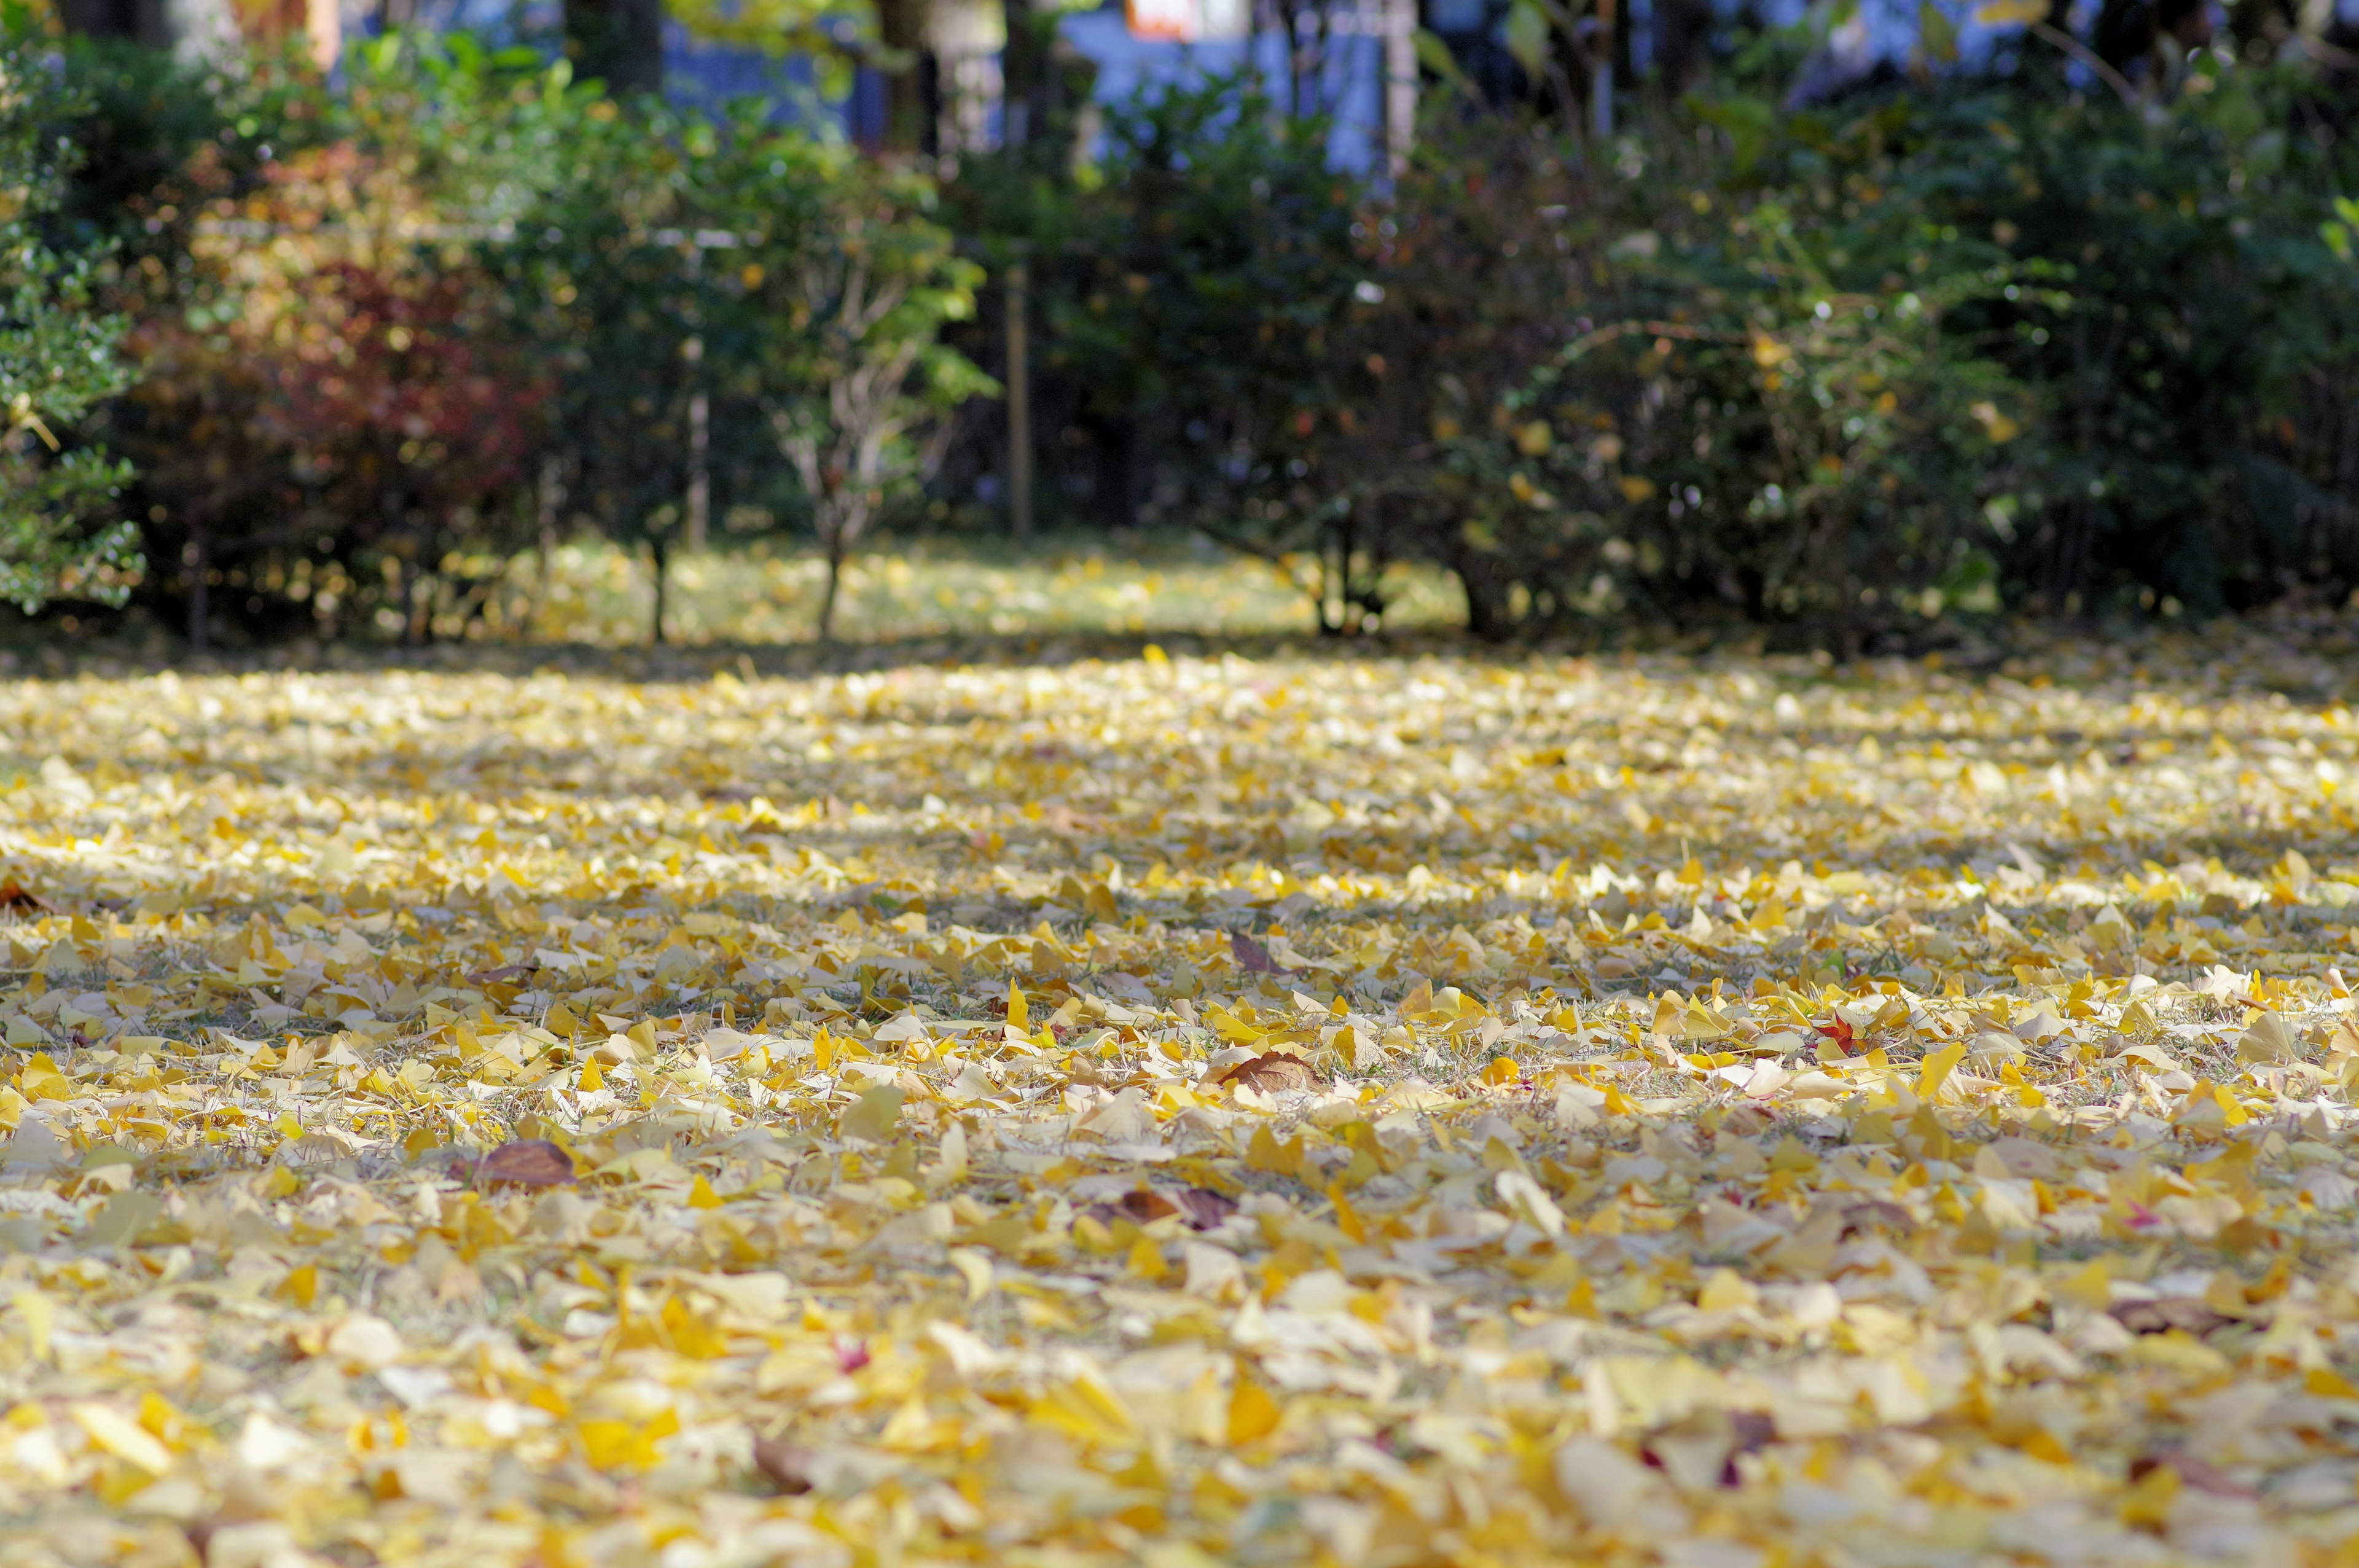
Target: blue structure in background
x,y
1878,36
1350,88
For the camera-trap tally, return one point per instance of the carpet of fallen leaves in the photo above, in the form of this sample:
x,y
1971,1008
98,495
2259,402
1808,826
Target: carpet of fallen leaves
x,y
1185,1111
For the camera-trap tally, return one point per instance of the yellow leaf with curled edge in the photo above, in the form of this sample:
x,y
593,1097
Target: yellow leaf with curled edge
x,y
973,1266
39,1314
2266,1039
301,1284
951,1169
1086,1409
2149,1504
1145,1260
1264,1152
1253,1413
1936,1069
120,1436
1019,1015
1527,1199
2090,1285
702,1196
873,1115
627,1445
1725,1290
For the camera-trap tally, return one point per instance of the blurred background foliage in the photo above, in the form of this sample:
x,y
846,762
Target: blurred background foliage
x,y
1856,364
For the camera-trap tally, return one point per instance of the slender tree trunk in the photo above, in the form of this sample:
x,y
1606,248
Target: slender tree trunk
x,y
197,558
424,576
903,25
835,548
1024,72
700,475
1019,402
550,496
1289,11
659,548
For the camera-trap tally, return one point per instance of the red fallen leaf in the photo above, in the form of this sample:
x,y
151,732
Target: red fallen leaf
x,y
1205,1209
14,896
502,975
851,1355
1147,1207
528,1162
1840,1033
1251,955
1270,1072
787,1465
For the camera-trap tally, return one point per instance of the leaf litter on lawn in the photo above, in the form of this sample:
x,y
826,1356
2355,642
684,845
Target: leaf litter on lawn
x,y
1325,1107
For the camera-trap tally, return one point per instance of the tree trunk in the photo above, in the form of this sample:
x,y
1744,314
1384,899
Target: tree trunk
x,y
1024,72
1401,83
1019,402
902,26
659,547
1486,594
700,473
198,559
834,576
618,43
1682,36
550,496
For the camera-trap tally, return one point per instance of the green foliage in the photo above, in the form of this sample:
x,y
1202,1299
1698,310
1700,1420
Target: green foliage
x,y
1944,349
790,289
1193,299
1762,409
1958,345
382,317
57,357
870,287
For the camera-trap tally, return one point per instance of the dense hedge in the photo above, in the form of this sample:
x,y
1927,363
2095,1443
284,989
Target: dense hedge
x,y
1938,349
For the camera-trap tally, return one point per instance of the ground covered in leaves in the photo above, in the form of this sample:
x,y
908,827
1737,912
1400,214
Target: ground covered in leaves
x,y
1185,1111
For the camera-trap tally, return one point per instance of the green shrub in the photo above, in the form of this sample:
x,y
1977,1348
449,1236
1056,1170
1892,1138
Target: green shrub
x,y
1954,347
59,535
384,320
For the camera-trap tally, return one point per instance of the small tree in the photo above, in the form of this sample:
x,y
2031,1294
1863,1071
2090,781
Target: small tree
x,y
658,267
56,359
868,375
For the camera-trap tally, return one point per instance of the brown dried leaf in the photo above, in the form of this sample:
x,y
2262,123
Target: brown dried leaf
x,y
1251,955
787,1465
528,1162
2200,1474
1205,1209
1270,1072
1147,1207
2182,1312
